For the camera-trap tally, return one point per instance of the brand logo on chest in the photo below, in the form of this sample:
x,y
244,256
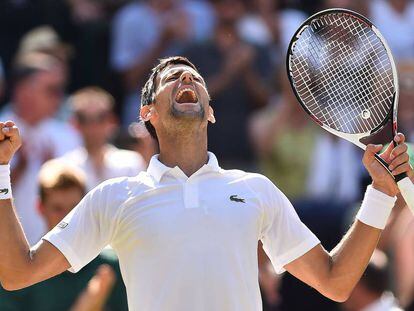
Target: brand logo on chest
x,y
235,198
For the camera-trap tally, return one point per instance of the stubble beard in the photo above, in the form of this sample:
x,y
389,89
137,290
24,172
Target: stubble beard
x,y
185,122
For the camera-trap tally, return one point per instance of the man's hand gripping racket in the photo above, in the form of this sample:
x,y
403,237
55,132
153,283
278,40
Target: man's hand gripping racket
x,y
344,76
398,162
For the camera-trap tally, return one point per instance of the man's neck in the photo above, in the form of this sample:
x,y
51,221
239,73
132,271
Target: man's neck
x,y
95,151
188,152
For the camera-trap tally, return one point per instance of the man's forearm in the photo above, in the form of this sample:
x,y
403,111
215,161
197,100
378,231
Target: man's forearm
x,y
335,274
14,248
350,257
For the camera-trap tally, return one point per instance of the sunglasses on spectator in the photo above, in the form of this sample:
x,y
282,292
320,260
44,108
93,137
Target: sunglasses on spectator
x,y
88,119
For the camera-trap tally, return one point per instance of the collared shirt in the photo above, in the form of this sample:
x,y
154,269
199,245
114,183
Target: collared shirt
x,y
186,243
116,163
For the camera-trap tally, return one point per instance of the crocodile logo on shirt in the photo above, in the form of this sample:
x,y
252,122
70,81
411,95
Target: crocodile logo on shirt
x,y
4,191
235,198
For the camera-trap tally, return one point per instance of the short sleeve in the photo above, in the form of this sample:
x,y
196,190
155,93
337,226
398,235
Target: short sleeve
x,y
284,236
87,229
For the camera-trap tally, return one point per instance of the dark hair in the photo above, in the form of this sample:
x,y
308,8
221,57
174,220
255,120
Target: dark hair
x,y
150,87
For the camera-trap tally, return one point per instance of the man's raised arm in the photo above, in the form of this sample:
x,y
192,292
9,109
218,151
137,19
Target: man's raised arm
x,y
20,266
335,274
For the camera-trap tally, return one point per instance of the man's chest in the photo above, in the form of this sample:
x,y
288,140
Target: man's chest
x,y
188,213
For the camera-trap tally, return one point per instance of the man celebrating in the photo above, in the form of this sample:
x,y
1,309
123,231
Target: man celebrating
x,y
186,231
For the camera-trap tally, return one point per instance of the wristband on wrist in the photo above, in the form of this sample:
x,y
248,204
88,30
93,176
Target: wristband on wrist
x,y
5,185
375,208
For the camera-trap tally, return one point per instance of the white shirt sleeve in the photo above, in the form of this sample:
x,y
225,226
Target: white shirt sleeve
x,y
88,228
284,236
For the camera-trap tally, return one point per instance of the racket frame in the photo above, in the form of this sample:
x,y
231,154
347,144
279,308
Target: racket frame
x,y
353,138
403,181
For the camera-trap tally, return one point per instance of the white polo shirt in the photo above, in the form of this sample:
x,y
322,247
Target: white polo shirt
x,y
186,244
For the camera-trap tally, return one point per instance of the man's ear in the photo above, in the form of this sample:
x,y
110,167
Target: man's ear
x,y
211,117
146,112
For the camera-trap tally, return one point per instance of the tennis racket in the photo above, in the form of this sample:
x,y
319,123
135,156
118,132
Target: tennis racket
x,y
343,74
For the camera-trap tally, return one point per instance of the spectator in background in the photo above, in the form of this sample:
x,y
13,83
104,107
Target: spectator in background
x,y
327,179
94,118
372,293
266,25
44,39
276,131
144,31
88,31
361,7
38,85
16,18
237,74
395,20
98,286
141,141
406,99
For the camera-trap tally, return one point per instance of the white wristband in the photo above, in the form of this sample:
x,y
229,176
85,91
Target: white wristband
x,y
376,208
5,185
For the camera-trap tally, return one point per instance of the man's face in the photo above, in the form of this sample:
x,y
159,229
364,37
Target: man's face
x,y
95,125
181,95
58,203
42,94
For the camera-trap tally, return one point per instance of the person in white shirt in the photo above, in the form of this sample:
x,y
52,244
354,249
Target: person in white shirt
x,y
38,89
186,231
395,20
93,117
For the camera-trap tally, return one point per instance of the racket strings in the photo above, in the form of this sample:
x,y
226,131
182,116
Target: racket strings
x,y
347,80
342,73
341,94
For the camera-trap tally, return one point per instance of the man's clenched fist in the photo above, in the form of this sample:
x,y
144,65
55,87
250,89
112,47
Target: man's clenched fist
x,y
10,141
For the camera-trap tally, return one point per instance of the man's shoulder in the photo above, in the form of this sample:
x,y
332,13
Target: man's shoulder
x,y
249,177
122,188
124,183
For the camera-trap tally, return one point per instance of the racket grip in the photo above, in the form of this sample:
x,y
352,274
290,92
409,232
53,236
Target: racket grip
x,y
407,191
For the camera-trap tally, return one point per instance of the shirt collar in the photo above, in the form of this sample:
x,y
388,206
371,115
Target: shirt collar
x,y
157,169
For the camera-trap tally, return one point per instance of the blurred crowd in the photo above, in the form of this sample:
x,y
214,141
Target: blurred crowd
x,y
71,72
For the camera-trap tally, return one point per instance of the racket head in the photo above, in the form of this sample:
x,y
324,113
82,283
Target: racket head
x,y
332,42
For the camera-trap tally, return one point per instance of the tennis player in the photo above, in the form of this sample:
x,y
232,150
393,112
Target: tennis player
x,y
186,231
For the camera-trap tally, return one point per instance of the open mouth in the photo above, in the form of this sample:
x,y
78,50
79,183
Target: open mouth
x,y
186,95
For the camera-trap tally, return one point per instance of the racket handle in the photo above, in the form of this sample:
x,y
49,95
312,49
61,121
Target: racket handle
x,y
407,191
